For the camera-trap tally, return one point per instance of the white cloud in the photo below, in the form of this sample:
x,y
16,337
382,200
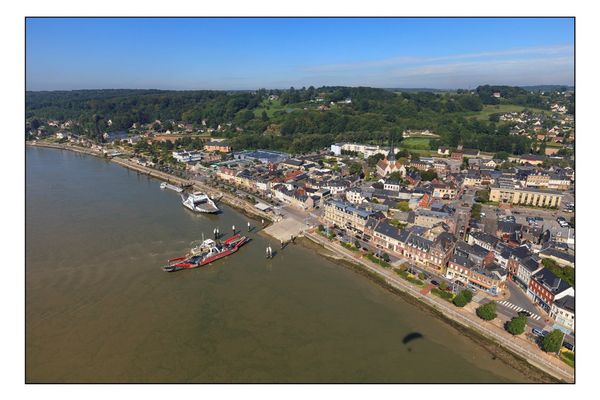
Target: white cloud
x,y
407,60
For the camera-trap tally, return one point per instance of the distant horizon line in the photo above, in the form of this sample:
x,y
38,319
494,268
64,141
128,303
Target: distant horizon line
x,y
275,88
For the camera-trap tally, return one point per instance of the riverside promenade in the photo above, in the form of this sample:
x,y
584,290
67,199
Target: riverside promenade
x,y
227,198
466,316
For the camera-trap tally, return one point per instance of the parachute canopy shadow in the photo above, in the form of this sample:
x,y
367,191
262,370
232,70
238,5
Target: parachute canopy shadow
x,y
412,336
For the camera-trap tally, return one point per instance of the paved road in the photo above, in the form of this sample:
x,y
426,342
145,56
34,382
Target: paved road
x,y
519,298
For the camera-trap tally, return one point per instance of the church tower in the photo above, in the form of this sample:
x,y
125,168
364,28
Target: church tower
x,y
391,157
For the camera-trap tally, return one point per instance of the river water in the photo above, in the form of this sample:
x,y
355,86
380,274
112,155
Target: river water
x,y
99,309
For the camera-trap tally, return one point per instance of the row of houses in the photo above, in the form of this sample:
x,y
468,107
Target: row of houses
x,y
484,262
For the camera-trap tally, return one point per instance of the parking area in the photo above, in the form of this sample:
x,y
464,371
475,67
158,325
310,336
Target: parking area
x,y
548,219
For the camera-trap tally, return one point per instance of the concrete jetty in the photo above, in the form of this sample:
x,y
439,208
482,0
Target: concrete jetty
x,y
285,228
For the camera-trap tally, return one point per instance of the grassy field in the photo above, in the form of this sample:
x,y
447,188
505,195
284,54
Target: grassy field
x,y
273,106
416,143
484,114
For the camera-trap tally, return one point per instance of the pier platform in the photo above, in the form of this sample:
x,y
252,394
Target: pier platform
x,y
285,228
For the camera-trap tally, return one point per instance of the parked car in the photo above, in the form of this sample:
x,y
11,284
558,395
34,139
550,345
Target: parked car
x,y
435,283
538,332
524,313
569,346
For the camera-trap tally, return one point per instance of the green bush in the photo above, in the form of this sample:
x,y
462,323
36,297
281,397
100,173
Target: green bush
x,y
487,311
443,294
553,341
379,261
568,357
516,325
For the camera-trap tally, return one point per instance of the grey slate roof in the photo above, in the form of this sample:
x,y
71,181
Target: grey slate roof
x,y
550,281
566,303
558,254
485,237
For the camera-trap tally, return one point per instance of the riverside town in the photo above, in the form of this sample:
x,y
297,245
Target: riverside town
x,y
485,236
314,203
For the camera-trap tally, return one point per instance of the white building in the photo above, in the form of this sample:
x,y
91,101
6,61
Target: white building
x,y
187,156
366,150
563,312
336,149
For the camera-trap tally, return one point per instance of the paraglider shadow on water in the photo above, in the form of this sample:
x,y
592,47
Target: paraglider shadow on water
x,y
410,338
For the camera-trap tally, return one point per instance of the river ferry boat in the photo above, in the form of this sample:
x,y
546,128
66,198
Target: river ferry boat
x,y
205,253
199,202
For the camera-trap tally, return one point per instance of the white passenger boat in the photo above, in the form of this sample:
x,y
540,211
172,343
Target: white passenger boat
x,y
199,202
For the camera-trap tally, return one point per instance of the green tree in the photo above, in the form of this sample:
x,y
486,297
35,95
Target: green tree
x,y
403,206
355,168
487,311
357,244
553,341
482,196
386,257
516,325
395,176
264,116
502,155
374,159
476,211
35,123
443,285
428,175
463,298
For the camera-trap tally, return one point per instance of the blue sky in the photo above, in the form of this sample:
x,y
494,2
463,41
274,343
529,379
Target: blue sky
x,y
230,53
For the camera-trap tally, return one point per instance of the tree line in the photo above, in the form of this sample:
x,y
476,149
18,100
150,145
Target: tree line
x,y
294,123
